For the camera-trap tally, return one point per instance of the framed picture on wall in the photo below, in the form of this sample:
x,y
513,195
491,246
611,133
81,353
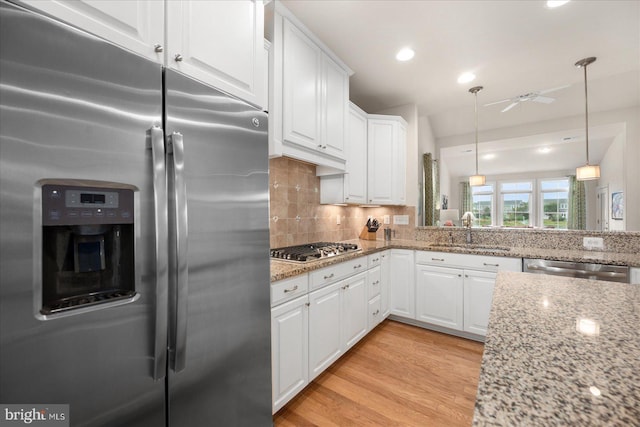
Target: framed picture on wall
x,y
617,205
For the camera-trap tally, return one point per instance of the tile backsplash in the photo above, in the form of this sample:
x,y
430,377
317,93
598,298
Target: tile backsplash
x,y
297,217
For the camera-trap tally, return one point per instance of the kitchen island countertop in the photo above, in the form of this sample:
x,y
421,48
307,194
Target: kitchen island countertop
x,y
283,270
560,351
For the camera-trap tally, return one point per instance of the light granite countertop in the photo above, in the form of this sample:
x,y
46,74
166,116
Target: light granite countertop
x,y
560,352
283,270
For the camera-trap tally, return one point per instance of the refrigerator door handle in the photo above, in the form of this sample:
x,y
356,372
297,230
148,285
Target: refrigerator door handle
x,y
161,249
182,267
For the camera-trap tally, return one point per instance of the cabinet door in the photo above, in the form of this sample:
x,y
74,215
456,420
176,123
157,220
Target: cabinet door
x,y
335,95
374,278
375,314
401,284
355,178
399,156
385,275
289,349
439,296
380,170
478,294
301,87
354,309
137,25
324,328
220,43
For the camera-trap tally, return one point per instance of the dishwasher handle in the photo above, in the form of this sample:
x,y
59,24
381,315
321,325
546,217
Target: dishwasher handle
x,y
576,273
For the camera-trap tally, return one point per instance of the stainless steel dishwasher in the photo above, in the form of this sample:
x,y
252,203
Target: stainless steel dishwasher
x,y
611,273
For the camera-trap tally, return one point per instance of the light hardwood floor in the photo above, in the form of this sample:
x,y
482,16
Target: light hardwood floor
x,y
398,375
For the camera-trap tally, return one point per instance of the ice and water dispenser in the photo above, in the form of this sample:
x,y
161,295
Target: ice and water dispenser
x,y
88,245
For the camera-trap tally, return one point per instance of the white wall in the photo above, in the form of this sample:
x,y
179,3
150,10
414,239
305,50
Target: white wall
x,y
409,112
629,167
612,176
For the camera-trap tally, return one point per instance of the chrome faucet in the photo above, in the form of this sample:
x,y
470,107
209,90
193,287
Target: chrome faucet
x,y
467,220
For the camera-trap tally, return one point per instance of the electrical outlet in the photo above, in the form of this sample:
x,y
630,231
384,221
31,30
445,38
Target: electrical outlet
x,y
593,242
401,219
386,219
338,219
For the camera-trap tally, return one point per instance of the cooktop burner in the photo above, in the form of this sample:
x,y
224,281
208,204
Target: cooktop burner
x,y
313,251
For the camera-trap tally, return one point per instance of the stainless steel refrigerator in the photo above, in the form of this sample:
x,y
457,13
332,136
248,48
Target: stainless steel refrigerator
x,y
134,269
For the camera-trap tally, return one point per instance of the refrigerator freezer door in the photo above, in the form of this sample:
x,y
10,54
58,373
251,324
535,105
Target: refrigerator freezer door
x,y
224,370
75,107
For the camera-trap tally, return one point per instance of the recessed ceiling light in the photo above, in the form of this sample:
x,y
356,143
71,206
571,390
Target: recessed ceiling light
x,y
405,54
551,4
544,150
466,78
489,156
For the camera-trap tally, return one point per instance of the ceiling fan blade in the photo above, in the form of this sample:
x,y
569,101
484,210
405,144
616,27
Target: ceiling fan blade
x,y
509,107
543,99
542,92
497,102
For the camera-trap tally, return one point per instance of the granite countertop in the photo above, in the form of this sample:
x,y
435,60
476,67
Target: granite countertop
x,y
283,270
538,369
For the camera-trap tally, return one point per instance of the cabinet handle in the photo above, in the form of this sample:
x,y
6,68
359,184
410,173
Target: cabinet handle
x,y
357,266
466,275
328,277
490,265
437,259
383,256
376,260
295,288
178,57
345,287
376,282
377,312
158,48
307,304
459,275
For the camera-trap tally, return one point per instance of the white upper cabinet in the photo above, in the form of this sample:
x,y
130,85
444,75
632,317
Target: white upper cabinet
x,y
355,180
308,95
376,154
220,43
301,89
137,25
387,160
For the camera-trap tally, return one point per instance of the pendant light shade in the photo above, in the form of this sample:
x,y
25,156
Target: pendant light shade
x,y
476,179
588,171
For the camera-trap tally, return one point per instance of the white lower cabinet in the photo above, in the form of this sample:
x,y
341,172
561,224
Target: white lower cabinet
x,y
478,293
439,296
385,276
455,290
324,328
401,283
289,347
317,317
354,310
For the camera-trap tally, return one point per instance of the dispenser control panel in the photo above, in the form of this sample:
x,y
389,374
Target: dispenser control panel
x,y
70,205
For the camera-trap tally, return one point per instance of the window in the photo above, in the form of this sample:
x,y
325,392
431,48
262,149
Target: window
x,y
554,196
482,206
515,203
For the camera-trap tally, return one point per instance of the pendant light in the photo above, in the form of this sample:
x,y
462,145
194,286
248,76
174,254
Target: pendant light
x,y
586,172
476,179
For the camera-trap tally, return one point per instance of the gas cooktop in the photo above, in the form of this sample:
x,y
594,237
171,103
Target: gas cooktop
x,y
313,251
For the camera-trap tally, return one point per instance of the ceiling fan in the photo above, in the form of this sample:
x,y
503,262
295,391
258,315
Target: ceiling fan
x,y
535,96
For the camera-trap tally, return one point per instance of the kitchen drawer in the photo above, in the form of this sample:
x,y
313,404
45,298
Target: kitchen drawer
x,y
288,289
324,276
373,282
479,262
374,259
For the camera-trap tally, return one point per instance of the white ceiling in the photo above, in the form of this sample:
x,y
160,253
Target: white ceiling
x,y
513,47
